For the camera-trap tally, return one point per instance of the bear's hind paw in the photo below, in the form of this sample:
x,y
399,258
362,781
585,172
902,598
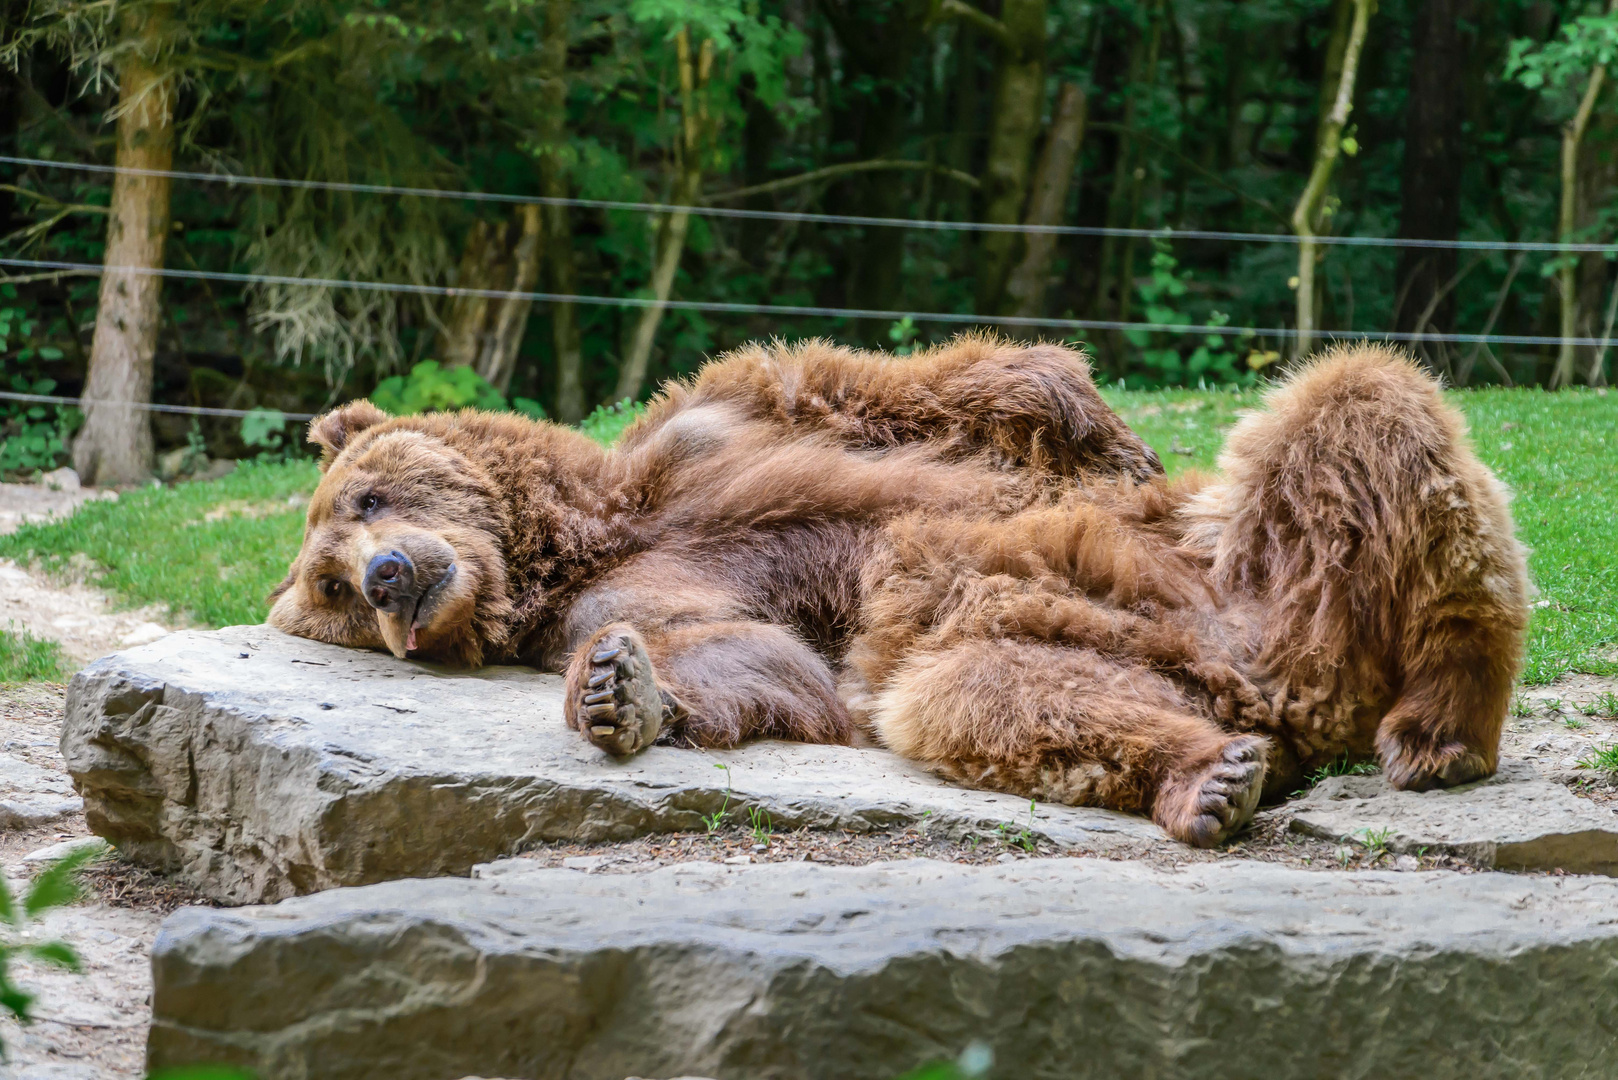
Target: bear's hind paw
x,y
1212,804
619,706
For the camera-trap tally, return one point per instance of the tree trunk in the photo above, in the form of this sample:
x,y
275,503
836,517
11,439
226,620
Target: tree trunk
x,y
486,332
694,135
1306,216
1047,199
561,267
1435,154
1568,273
1019,104
115,445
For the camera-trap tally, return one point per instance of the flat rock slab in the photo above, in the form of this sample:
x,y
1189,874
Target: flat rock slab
x,y
1515,820
262,766
31,796
1064,967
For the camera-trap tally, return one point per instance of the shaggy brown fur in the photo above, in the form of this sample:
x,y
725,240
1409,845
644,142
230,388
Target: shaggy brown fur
x,y
701,578
1350,583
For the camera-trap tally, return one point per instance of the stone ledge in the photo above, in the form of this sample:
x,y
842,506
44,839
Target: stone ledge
x,y
1515,820
262,766
1065,967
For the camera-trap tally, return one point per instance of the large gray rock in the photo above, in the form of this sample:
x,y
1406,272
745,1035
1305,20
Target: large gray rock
x,y
1515,820
1065,967
261,766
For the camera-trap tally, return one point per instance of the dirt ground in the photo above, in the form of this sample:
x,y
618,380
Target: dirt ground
x,y
93,1026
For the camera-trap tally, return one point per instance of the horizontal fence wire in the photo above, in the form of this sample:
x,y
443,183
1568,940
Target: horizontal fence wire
x,y
800,310
147,406
829,219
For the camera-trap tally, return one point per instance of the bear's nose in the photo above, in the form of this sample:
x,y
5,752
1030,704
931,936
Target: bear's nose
x,y
389,580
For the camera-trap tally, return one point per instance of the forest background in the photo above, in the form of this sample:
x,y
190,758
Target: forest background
x,y
1488,122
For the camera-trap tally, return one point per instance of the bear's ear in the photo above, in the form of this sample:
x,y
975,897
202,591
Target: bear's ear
x,y
333,431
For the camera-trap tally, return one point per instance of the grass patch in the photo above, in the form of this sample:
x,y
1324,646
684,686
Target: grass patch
x,y
1559,454
212,551
25,658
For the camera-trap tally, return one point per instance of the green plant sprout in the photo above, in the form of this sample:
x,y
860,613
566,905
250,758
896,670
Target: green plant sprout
x,y
763,827
716,820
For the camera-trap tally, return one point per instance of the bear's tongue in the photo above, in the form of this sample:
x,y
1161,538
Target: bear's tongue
x,y
398,630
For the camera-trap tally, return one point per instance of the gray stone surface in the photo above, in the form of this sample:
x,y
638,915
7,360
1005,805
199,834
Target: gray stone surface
x,y
31,796
1064,967
261,766
1515,820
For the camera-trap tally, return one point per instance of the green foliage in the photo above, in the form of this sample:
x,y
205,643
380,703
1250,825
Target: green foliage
x,y
430,388
903,334
973,1062
1601,759
264,431
607,422
32,436
1209,361
25,658
56,886
1583,44
202,1072
716,820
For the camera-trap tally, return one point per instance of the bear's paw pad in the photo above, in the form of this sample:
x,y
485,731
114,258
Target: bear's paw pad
x,y
620,706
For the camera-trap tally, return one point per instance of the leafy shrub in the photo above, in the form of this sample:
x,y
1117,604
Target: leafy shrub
x,y
1212,362
607,422
432,388
32,436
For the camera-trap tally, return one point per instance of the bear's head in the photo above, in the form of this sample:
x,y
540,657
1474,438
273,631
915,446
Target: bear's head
x,y
403,545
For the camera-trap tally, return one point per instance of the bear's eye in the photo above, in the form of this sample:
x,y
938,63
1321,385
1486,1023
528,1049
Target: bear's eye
x,y
370,503
332,588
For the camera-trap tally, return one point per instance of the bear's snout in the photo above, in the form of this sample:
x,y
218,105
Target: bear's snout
x,y
390,580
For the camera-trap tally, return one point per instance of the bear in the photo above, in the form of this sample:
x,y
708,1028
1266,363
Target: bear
x,y
1348,583
964,556
699,581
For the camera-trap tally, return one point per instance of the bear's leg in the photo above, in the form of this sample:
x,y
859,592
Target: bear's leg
x,y
1444,727
713,684
1068,725
1375,556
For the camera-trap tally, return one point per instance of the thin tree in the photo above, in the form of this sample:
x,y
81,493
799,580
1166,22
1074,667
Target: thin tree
x,y
697,127
1584,49
1307,215
115,445
1568,219
1053,176
1019,104
560,260
481,331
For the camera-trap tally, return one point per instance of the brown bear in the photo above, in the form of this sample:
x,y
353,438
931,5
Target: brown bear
x,y
967,555
1349,584
719,544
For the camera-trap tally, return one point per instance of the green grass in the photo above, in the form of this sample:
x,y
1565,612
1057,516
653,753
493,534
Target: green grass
x,y
211,551
1559,453
25,658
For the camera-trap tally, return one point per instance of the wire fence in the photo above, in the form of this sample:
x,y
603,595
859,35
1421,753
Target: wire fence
x,y
702,210
147,406
803,310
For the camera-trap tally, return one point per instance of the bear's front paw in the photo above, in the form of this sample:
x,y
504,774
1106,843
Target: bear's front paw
x,y
1209,805
1411,766
613,692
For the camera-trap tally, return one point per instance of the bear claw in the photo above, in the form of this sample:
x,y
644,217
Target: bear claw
x,y
621,708
1213,804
